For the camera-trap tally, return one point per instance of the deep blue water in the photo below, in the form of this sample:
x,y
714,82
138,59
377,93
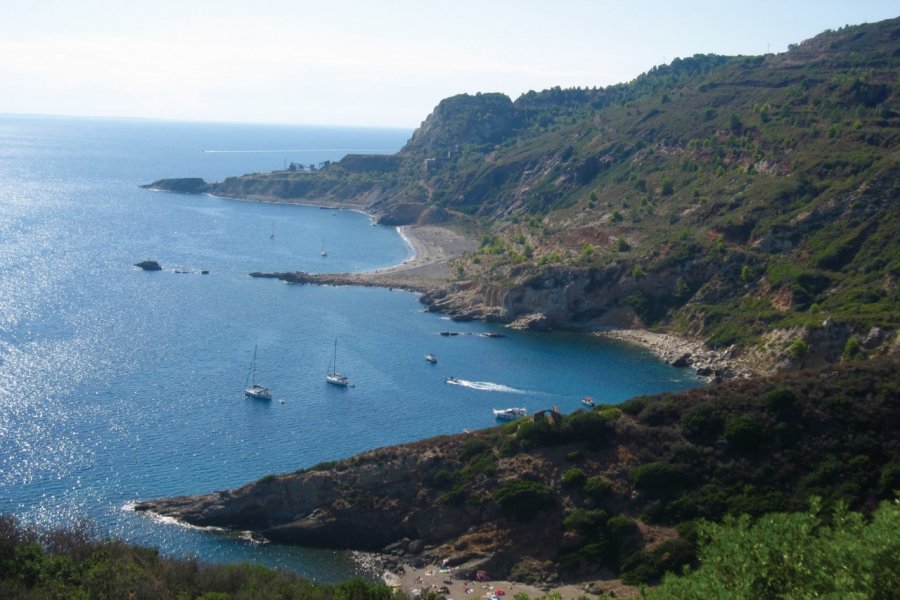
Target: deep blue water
x,y
118,384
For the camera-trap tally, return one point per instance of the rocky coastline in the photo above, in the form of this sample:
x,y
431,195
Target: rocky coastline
x,y
427,272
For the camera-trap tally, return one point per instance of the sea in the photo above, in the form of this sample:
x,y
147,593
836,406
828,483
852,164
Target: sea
x,y
119,385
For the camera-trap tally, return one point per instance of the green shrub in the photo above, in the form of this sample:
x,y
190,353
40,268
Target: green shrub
x,y
598,489
586,522
853,348
780,401
622,528
573,478
795,555
585,426
702,424
657,478
745,435
798,349
522,499
659,413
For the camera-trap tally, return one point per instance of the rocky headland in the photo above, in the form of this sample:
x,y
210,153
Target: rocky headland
x,y
530,500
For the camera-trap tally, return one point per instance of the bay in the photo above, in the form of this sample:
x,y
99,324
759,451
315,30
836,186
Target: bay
x,y
118,384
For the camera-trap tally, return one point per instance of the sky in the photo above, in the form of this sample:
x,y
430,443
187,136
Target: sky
x,y
379,63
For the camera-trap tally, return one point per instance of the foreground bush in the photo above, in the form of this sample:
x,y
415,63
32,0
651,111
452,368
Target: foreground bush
x,y
795,555
68,564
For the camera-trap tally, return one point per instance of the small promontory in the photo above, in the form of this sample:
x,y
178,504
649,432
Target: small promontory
x,y
183,185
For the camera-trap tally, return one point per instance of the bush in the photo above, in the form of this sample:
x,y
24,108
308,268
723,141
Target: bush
x,y
745,435
573,478
657,478
622,528
598,489
780,401
586,426
702,424
799,555
522,499
853,349
586,522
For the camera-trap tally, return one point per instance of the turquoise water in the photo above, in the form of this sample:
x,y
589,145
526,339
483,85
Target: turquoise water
x,y
118,384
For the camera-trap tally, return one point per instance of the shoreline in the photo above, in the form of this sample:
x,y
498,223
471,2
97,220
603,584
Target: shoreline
x,y
685,352
427,267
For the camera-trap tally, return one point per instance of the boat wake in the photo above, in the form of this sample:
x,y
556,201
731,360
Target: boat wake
x,y
485,386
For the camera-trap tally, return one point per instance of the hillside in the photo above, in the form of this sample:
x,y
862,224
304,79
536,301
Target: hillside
x,y
614,488
746,201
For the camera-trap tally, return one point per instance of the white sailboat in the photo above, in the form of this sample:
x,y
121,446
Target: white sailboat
x,y
332,376
256,390
324,252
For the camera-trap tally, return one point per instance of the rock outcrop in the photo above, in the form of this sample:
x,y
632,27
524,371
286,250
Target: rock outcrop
x,y
149,265
365,503
183,185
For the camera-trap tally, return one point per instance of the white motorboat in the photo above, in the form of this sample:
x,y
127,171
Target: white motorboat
x,y
431,358
509,414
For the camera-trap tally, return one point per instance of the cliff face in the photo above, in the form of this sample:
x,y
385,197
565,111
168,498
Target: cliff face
x,y
464,120
366,502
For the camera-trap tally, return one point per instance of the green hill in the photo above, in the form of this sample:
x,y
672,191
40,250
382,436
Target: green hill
x,y
747,200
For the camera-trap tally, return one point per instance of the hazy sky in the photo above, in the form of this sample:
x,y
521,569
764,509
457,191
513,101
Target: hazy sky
x,y
375,62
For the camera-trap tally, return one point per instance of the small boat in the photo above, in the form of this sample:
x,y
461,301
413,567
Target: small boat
x,y
431,358
332,376
256,390
324,252
587,401
493,334
509,414
451,379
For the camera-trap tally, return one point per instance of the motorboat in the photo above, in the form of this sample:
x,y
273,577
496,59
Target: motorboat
x,y
431,358
587,401
509,414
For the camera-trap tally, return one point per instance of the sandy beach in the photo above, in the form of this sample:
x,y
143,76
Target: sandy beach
x,y
432,250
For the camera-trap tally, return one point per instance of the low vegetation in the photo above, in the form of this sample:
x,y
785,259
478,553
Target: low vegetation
x,y
70,564
841,554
